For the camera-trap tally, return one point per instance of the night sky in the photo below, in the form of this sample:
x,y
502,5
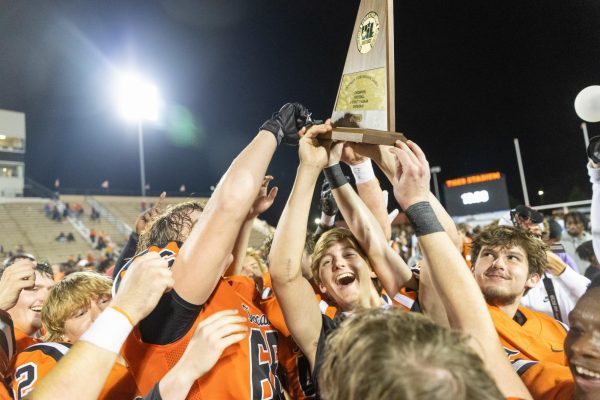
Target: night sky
x,y
470,77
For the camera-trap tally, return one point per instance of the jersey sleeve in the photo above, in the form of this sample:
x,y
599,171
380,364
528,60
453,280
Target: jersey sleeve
x,y
31,365
545,381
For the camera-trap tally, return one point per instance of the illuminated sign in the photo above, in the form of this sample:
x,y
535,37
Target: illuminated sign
x,y
476,194
490,176
481,196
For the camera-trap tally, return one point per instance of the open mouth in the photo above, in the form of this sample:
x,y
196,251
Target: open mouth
x,y
345,279
587,374
36,308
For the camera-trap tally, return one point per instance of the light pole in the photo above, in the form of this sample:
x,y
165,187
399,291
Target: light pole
x,y
138,101
434,171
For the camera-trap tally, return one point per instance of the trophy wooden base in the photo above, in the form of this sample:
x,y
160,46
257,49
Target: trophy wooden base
x,y
367,136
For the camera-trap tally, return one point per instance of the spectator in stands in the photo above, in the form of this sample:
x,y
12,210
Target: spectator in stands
x,y
93,235
575,223
95,214
26,314
61,238
70,309
586,252
70,237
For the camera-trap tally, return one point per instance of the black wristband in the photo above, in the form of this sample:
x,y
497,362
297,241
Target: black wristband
x,y
423,219
335,176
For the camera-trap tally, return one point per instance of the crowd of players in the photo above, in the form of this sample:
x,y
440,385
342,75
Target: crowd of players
x,y
335,314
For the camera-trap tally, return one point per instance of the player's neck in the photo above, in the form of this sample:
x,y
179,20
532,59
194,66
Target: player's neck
x,y
510,309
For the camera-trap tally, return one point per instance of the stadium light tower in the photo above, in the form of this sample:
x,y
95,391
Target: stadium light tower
x,y
138,100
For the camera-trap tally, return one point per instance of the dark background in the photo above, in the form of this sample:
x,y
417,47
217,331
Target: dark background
x,y
470,77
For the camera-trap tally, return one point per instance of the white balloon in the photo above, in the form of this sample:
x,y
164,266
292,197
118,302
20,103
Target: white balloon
x,y
587,104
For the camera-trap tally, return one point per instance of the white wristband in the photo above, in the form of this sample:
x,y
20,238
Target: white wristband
x,y
109,331
363,172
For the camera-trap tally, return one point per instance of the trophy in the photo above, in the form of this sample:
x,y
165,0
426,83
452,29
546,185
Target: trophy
x,y
364,110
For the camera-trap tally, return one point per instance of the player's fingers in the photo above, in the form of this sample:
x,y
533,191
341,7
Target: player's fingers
x,y
404,147
418,152
230,329
218,324
273,193
215,316
231,339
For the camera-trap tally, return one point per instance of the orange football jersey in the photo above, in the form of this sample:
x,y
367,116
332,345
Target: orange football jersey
x,y
246,370
24,340
34,363
536,352
298,379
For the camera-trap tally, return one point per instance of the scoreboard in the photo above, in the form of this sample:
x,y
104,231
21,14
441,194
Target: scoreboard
x,y
476,194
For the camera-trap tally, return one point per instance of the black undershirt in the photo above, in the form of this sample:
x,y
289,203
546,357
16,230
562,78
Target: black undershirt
x,y
172,318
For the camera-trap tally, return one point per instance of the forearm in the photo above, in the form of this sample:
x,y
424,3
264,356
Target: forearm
x,y
240,248
575,283
199,265
288,242
80,374
371,194
393,274
387,163
176,384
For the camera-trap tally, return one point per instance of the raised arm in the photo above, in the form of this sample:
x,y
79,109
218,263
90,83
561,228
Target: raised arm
x,y
263,201
197,268
386,162
454,283
367,186
294,293
389,267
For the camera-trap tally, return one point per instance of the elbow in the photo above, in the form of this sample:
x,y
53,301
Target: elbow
x,y
236,195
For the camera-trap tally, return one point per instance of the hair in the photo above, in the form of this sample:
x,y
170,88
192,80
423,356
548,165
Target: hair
x,y
585,251
390,353
507,236
168,226
327,240
67,297
42,267
577,217
255,254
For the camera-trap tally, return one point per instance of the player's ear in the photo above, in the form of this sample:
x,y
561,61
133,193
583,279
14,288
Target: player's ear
x,y
532,281
322,288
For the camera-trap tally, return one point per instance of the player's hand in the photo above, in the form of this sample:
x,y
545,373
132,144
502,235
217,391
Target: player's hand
x,y
211,338
144,283
351,154
18,276
287,123
314,152
263,200
145,217
411,181
555,264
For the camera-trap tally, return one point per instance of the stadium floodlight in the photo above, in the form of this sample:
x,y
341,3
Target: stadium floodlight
x,y
138,100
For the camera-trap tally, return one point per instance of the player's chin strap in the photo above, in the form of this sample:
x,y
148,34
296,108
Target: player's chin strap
x,y
552,297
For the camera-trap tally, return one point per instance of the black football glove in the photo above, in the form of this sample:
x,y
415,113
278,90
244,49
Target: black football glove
x,y
286,123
